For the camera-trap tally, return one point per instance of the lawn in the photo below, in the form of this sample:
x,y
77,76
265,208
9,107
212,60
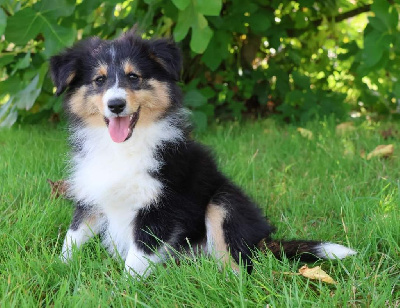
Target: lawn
x,y
319,188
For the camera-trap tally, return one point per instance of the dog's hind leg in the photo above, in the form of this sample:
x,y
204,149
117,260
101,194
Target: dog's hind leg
x,y
234,224
85,224
216,243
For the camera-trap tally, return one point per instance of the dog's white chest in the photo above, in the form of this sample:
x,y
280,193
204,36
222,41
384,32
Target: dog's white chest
x,y
110,175
119,234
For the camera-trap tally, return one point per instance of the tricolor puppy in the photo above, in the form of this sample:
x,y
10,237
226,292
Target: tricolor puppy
x,y
137,178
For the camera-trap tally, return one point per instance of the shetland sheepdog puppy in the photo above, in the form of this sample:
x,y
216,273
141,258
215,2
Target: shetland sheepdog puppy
x,y
137,178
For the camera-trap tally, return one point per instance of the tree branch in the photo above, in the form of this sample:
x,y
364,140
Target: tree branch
x,y
345,15
338,18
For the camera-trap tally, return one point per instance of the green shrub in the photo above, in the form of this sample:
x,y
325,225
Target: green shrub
x,y
298,59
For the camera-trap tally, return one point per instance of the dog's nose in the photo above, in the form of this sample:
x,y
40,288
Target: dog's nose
x,y
116,105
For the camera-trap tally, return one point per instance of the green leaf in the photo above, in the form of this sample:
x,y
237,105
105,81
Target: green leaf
x,y
194,98
209,7
8,114
181,4
200,39
201,32
25,98
23,26
218,49
54,8
185,19
386,14
301,20
394,18
396,90
381,9
378,24
260,21
56,38
6,58
3,21
201,35
375,43
300,80
282,82
22,63
11,85
149,2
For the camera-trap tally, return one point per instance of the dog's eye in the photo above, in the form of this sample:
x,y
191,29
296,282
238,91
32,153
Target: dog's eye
x,y
132,76
100,80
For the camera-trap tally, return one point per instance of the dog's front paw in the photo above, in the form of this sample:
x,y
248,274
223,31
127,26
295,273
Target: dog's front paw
x,y
137,273
66,254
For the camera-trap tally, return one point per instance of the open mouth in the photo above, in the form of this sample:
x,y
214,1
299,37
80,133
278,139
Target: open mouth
x,y
121,128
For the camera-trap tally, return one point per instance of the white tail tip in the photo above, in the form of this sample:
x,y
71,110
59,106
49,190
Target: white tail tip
x,y
334,251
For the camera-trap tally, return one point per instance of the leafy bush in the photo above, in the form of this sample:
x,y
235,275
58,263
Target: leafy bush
x,y
297,59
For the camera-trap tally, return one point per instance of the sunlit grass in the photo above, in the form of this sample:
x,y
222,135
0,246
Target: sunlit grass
x,y
309,189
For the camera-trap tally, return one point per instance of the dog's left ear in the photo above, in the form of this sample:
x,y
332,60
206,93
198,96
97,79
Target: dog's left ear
x,y
168,54
63,70
65,66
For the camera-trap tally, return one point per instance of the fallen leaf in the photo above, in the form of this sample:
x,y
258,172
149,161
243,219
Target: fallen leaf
x,y
381,151
344,128
316,273
305,133
58,188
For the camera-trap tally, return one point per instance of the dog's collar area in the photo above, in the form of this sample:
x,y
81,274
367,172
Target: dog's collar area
x,y
120,128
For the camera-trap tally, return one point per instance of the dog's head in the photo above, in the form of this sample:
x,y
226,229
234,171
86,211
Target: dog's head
x,y
119,84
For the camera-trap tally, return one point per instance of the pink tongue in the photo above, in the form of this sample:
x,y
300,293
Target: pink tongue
x,y
118,128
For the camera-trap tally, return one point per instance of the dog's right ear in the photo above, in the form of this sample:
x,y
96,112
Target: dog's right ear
x,y
63,69
64,66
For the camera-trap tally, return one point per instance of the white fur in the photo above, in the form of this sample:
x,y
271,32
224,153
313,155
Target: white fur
x,y
77,238
209,244
114,177
113,93
138,263
334,251
112,52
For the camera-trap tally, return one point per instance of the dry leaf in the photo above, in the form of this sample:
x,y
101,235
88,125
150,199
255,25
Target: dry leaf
x,y
58,188
344,128
305,133
381,151
316,273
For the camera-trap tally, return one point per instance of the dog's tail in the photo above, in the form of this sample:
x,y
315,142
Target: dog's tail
x,y
307,251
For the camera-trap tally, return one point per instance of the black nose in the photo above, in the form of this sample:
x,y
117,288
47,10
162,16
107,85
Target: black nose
x,y
116,105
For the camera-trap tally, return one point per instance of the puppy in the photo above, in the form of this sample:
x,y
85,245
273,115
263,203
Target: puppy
x,y
137,178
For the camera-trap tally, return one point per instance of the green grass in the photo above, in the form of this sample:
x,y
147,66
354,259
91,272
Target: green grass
x,y
308,188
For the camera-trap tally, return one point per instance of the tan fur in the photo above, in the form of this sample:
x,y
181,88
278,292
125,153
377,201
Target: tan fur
x,y
129,68
153,103
215,216
90,111
102,69
70,78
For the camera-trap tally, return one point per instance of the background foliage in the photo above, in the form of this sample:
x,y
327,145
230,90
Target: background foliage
x,y
297,59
